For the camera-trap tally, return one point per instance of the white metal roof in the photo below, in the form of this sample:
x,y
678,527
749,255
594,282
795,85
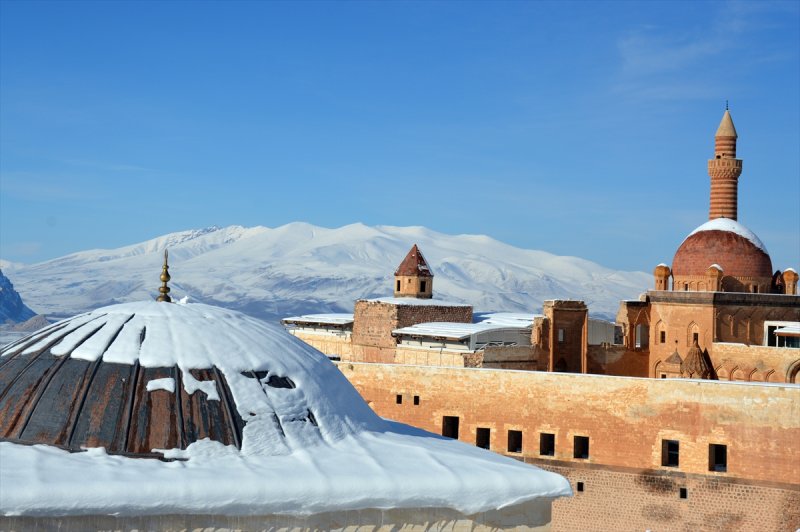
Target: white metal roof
x,y
444,329
325,319
507,319
788,330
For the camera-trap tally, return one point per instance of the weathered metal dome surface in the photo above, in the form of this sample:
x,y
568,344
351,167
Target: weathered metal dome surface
x,y
136,378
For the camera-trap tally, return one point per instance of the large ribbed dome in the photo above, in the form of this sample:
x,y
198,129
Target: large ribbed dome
x,y
727,244
137,377
263,425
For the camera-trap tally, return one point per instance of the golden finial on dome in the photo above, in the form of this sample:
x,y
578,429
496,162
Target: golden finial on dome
x,y
164,289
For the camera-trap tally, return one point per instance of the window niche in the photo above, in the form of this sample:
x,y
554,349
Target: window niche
x,y
581,447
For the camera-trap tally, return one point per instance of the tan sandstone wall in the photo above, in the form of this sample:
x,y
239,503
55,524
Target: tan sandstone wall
x,y
374,322
329,344
617,360
626,487
625,418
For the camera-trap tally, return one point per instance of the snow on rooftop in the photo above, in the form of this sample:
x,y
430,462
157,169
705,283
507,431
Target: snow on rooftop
x,y
416,301
732,226
443,329
328,319
350,459
509,319
788,330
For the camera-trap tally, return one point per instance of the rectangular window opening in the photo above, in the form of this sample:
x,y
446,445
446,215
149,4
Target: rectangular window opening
x,y
422,285
450,427
580,486
561,335
663,375
663,336
684,493
515,441
399,399
482,437
581,447
416,400
695,337
547,444
670,453
398,286
718,457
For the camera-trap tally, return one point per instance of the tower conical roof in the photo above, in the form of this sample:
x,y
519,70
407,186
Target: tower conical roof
x,y
695,364
726,128
414,264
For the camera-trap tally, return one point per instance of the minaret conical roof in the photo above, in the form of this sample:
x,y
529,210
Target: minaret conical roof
x,y
726,128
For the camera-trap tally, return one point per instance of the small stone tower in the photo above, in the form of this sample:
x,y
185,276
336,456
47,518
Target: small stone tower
x,y
662,274
724,170
790,281
413,277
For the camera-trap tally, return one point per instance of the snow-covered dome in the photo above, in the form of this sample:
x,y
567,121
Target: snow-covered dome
x,y
731,247
211,411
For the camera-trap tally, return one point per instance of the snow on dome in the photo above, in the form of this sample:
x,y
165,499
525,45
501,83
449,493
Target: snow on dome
x,y
717,266
258,422
731,226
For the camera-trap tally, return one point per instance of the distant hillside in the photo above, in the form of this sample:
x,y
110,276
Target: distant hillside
x,y
12,309
300,268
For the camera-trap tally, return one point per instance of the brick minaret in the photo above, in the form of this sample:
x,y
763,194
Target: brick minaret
x,y
724,170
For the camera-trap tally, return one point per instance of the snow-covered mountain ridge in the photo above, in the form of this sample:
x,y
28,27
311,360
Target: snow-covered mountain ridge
x,y
301,268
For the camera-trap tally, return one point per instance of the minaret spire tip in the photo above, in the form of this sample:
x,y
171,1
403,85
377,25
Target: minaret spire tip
x,y
164,289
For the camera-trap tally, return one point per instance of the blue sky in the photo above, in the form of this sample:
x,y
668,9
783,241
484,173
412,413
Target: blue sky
x,y
577,128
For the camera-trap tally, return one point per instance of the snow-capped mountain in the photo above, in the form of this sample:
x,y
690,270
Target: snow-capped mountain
x,y
12,309
300,268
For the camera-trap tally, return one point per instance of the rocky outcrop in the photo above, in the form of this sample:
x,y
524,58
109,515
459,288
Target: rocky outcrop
x,y
12,309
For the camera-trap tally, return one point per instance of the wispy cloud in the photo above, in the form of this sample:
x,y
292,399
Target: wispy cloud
x,y
106,166
30,186
659,63
20,249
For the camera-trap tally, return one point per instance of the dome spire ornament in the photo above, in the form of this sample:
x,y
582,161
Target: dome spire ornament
x,y
164,289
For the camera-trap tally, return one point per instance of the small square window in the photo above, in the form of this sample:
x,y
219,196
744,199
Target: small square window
x,y
684,493
670,453
450,427
482,437
718,457
581,447
547,444
580,486
416,400
399,399
663,375
515,441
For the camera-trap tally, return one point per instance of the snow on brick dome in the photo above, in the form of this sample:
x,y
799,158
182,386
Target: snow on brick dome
x,y
256,421
726,243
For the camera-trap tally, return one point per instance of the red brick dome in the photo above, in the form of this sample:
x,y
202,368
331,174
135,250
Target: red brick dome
x,y
735,249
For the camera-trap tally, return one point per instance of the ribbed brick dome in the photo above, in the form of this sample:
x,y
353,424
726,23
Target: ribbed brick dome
x,y
726,243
